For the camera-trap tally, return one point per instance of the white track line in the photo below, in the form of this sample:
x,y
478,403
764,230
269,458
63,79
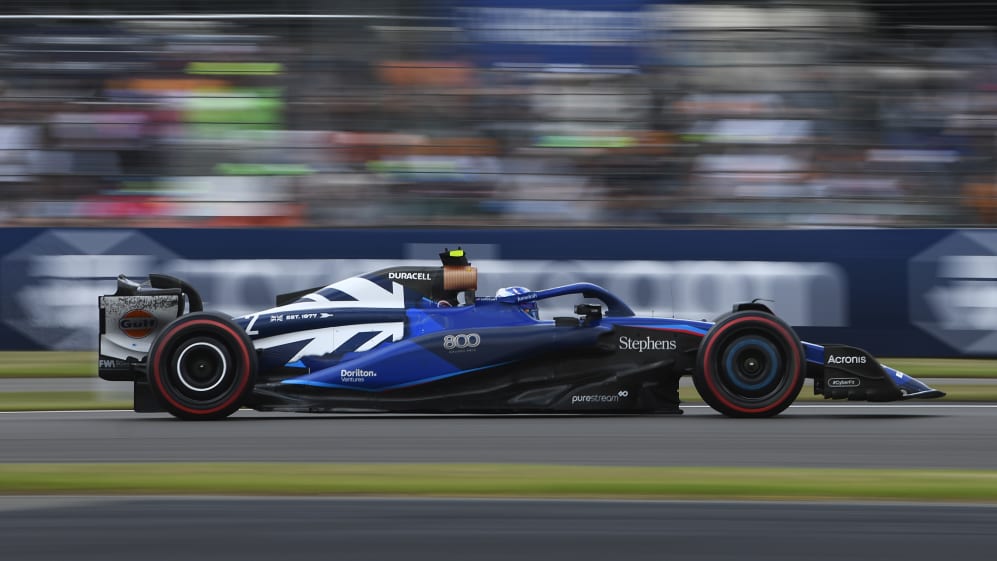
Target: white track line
x,y
873,406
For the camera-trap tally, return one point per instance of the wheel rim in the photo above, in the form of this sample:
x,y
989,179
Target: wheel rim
x,y
200,371
202,367
751,365
749,370
195,381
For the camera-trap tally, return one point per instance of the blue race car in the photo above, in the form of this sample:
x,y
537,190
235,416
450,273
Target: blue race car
x,y
419,339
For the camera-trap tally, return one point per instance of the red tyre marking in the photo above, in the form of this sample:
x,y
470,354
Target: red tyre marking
x,y
156,378
709,377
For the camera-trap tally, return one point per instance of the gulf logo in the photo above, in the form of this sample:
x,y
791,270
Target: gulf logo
x,y
137,324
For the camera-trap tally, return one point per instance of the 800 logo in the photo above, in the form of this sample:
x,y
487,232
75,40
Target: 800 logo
x,y
461,341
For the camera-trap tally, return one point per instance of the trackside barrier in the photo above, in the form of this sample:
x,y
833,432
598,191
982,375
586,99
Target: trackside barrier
x,y
893,292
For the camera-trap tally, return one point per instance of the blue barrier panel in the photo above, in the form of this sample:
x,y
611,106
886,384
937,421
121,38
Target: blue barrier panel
x,y
894,292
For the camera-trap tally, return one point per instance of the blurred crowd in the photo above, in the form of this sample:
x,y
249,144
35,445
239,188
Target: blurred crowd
x,y
497,113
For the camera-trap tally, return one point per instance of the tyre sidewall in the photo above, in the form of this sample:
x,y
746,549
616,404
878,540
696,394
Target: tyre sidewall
x,y
207,330
713,381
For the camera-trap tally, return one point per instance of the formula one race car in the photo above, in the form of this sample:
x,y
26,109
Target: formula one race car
x,y
418,339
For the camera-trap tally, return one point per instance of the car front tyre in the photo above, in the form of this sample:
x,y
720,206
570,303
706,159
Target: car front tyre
x,y
750,364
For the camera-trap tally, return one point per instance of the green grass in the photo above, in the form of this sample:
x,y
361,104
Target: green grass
x,y
498,480
945,367
57,401
48,364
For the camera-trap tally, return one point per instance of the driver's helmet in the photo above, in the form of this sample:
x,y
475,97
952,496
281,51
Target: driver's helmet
x,y
530,307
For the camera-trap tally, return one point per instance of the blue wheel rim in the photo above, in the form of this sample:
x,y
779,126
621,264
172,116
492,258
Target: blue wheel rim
x,y
746,349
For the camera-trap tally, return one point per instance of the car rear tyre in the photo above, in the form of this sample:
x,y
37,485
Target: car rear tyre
x,y
202,366
750,364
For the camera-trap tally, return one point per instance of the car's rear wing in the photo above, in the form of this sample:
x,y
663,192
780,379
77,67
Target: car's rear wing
x,y
131,318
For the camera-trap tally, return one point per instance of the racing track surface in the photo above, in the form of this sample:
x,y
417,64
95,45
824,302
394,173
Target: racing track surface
x,y
840,435
171,529
830,435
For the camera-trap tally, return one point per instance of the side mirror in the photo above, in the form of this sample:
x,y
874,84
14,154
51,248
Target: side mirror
x,y
592,312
